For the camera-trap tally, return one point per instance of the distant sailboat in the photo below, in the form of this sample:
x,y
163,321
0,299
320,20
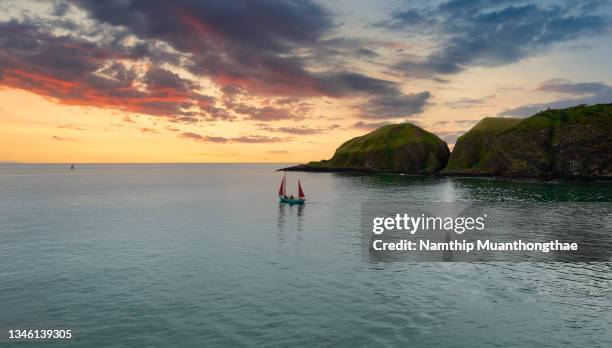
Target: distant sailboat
x,y
282,193
72,167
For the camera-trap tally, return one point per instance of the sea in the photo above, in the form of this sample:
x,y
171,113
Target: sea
x,y
203,255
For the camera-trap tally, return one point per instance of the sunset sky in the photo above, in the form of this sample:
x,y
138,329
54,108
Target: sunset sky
x,y
271,81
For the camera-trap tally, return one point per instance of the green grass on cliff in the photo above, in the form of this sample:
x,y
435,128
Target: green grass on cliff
x,y
384,142
562,142
472,147
388,137
557,142
493,125
600,113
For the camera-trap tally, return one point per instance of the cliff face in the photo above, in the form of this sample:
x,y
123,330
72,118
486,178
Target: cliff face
x,y
566,143
472,148
403,148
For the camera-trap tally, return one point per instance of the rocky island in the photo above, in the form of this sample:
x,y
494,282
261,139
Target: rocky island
x,y
572,143
568,143
397,148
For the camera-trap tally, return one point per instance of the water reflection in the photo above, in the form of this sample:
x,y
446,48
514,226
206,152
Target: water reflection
x,y
454,189
290,219
300,227
280,223
300,216
482,189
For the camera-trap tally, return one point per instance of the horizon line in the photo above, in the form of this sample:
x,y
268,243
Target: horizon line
x,y
69,163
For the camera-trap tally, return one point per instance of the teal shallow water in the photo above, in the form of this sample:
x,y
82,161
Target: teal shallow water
x,y
203,255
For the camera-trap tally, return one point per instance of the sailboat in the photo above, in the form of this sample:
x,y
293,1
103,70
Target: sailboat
x,y
282,193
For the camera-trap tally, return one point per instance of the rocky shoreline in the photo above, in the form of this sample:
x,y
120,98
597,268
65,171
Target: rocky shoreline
x,y
366,171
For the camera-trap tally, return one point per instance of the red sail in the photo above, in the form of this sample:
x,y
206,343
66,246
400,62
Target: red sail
x,y
300,192
281,190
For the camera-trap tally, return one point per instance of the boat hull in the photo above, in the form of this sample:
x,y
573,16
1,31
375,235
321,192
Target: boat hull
x,y
292,201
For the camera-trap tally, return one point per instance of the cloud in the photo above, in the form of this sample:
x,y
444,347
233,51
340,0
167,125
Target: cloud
x,y
252,139
76,71
458,123
71,126
191,25
55,137
203,138
563,86
301,130
249,44
406,18
369,125
268,113
155,57
465,103
296,130
172,129
149,130
465,123
127,119
286,108
583,93
341,84
365,53
394,106
492,33
256,46
450,137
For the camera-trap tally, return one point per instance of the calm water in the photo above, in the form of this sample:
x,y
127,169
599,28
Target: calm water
x,y
203,255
